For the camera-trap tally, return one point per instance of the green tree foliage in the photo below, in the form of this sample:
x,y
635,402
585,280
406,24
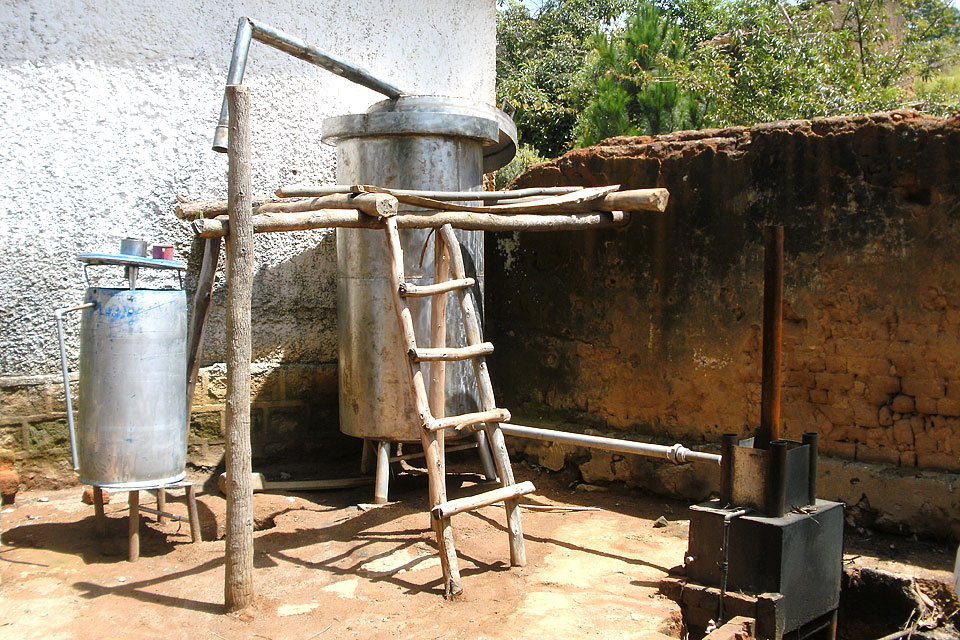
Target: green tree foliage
x,y
632,91
540,54
581,70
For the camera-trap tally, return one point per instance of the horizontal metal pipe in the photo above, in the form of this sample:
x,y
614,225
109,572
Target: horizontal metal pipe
x,y
324,190
277,39
676,453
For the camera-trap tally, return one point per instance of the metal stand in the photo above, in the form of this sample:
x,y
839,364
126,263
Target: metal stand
x,y
134,507
384,460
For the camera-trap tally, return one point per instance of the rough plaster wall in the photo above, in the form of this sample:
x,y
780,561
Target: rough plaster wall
x,y
654,330
107,112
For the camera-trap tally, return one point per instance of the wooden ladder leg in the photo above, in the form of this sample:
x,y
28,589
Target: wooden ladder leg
x,y
133,534
198,315
518,553
383,472
192,513
432,447
99,518
471,323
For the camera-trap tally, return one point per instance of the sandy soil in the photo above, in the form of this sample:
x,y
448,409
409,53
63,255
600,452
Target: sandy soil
x,y
327,568
330,566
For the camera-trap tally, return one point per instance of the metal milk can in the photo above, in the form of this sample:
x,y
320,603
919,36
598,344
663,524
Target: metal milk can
x,y
131,428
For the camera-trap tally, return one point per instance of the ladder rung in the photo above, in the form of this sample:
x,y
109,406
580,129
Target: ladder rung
x,y
453,507
410,290
451,353
468,420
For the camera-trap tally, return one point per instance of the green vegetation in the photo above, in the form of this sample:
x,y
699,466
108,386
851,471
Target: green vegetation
x,y
577,71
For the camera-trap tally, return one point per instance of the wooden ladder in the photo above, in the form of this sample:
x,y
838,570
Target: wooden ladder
x,y
430,409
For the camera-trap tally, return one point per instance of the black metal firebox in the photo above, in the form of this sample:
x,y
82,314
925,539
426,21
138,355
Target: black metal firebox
x,y
767,549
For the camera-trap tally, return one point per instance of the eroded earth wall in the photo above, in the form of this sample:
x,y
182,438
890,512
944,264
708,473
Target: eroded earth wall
x,y
654,331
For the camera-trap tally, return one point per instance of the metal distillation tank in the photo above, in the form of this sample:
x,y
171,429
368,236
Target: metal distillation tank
x,y
413,142
132,418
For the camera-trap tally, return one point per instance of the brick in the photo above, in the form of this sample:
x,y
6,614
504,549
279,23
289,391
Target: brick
x,y
902,404
926,405
838,449
885,416
45,438
206,425
903,432
835,381
265,384
819,396
908,459
24,400
837,415
868,366
948,407
835,364
799,378
917,386
877,455
937,460
58,400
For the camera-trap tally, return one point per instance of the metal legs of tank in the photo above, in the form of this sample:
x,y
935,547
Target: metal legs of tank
x,y
383,472
380,450
486,459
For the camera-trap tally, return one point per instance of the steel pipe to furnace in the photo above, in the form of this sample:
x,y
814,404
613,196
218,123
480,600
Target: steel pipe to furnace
x,y
676,453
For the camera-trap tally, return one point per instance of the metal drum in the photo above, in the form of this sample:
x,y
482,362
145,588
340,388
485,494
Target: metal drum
x,y
133,385
416,142
132,424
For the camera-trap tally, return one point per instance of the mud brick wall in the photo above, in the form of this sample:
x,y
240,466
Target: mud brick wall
x,y
655,330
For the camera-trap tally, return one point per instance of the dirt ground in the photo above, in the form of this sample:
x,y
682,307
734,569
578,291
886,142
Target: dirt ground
x,y
329,566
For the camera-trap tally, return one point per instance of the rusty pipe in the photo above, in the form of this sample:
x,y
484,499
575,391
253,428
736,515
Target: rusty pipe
x,y
248,29
772,337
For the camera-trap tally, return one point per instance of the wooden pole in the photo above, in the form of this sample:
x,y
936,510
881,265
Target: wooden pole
x,y
772,336
133,526
198,316
378,205
238,577
328,219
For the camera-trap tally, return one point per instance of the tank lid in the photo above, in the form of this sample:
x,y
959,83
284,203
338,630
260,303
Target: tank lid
x,y
432,115
129,261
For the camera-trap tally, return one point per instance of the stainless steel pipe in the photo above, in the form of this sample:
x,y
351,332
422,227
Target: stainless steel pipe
x,y
71,429
248,30
676,453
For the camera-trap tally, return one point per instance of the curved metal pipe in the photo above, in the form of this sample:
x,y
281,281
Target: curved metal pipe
x,y
58,314
676,453
248,29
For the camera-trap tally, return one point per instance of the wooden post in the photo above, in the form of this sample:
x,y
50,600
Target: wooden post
x,y
772,354
198,316
161,505
192,513
238,576
99,517
133,504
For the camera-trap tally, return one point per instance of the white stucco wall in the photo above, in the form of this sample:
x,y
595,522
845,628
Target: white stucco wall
x,y
107,109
